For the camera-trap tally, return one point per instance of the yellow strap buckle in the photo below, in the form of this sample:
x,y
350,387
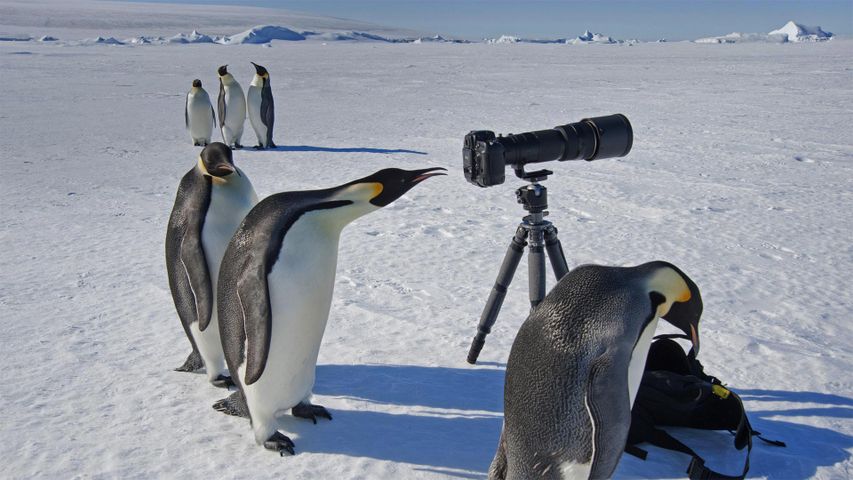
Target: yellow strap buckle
x,y
720,391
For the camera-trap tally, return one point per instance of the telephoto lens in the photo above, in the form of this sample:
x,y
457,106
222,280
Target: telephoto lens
x,y
484,156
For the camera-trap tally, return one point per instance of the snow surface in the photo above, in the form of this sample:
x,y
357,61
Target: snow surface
x,y
738,175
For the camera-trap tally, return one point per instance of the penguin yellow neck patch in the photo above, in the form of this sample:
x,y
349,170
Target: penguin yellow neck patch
x,y
671,285
214,179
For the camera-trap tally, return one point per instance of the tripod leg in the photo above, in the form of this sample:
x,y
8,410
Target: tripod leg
x,y
555,253
496,297
536,267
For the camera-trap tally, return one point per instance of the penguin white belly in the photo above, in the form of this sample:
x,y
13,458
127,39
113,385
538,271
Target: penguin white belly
x,y
229,204
200,117
253,100
300,289
638,359
235,114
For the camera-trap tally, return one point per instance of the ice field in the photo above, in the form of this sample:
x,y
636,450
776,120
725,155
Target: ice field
x,y
741,174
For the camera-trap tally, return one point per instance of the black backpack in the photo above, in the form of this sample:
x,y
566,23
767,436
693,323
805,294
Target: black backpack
x,y
675,391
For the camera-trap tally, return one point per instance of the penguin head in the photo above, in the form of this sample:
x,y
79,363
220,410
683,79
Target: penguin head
x,y
223,70
260,70
373,192
676,299
394,182
196,83
216,162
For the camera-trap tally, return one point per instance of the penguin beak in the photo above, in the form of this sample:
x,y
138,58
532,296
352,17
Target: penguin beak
x,y
686,315
222,170
421,175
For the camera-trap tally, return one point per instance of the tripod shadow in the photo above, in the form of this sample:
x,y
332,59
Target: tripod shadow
x,y
453,429
309,148
474,389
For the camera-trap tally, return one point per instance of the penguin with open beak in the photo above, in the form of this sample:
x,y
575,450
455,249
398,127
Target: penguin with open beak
x,y
275,292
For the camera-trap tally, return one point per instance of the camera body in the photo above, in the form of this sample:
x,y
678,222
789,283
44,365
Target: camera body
x,y
485,156
483,159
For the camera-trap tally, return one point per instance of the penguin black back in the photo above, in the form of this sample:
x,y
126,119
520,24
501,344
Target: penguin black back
x,y
566,397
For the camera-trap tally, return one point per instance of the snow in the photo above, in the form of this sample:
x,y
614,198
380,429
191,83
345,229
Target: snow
x,y
193,37
795,32
738,175
791,32
264,34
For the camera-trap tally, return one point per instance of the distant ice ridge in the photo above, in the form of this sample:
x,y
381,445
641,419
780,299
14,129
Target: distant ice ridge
x,y
264,34
193,37
585,38
791,32
795,32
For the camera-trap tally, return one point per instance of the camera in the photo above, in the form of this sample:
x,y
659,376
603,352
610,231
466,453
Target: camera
x,y
485,156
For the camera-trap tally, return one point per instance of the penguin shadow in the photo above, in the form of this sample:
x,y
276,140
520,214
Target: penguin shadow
x,y
310,148
809,447
453,428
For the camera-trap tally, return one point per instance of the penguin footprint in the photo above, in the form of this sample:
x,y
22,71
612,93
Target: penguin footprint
x,y
311,412
280,443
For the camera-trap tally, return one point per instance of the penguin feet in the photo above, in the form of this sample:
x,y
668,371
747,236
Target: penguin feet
x,y
311,412
279,443
196,144
192,364
222,382
259,147
234,405
237,146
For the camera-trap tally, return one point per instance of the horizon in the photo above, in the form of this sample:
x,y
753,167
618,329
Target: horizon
x,y
549,19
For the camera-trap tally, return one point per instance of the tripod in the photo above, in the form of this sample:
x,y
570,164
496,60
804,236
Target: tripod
x,y
540,236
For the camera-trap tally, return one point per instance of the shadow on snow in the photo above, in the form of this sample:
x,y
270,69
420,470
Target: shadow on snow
x,y
309,148
461,441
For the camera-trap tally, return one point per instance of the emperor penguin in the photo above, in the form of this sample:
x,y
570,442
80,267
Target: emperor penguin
x,y
260,107
275,291
232,108
198,115
212,200
576,364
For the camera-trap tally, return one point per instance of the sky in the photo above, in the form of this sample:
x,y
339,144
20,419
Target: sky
x,y
641,19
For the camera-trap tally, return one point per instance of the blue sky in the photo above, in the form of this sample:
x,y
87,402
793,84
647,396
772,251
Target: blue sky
x,y
642,19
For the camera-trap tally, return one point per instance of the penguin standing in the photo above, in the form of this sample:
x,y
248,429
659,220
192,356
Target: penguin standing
x,y
576,364
275,291
212,200
232,108
198,114
260,107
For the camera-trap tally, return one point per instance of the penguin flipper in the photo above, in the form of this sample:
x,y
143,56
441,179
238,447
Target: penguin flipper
x,y
497,470
234,405
193,363
221,104
187,112
611,422
195,267
267,112
189,279
254,298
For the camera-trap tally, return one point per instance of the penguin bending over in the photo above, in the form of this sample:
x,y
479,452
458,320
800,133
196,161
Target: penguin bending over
x,y
576,364
211,202
232,108
260,107
275,291
198,115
